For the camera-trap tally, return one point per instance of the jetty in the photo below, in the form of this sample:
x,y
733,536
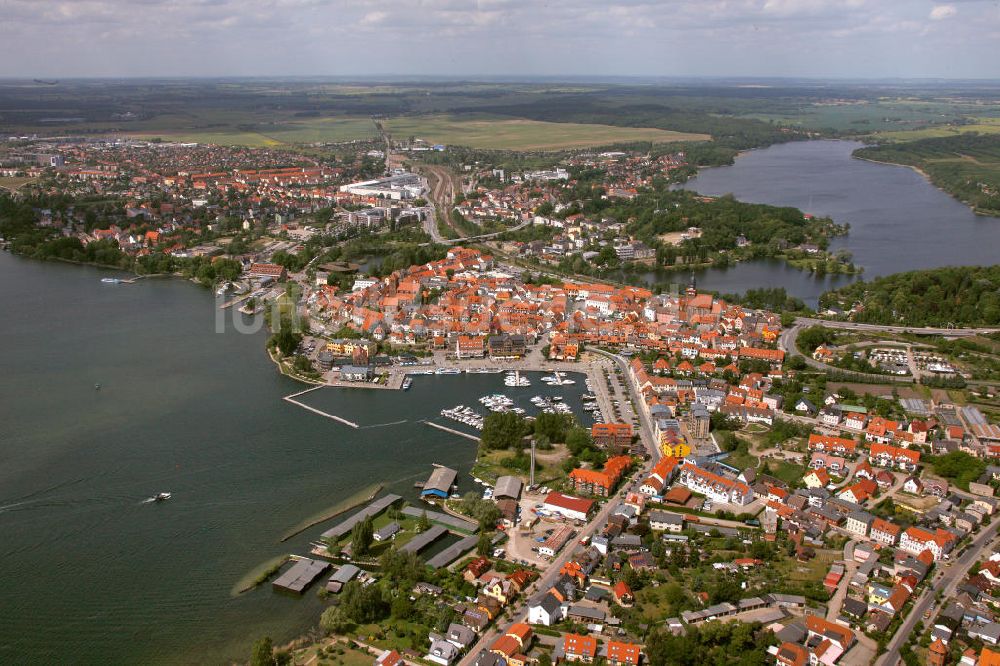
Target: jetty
x,y
339,419
452,431
424,539
300,576
372,510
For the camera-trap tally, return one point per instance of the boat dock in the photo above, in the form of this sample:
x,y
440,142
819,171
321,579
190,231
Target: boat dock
x,y
373,509
424,539
440,482
451,522
300,576
452,431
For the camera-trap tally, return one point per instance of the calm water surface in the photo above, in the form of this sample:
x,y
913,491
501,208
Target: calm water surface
x,y
93,575
899,221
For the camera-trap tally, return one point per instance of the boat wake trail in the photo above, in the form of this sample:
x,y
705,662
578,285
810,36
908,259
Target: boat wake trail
x,y
36,496
382,425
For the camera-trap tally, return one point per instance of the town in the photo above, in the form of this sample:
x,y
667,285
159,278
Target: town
x,y
733,483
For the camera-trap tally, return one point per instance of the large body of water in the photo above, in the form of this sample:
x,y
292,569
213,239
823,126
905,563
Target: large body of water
x,y
899,221
93,575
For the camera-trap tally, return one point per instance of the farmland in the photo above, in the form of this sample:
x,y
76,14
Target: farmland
x,y
518,134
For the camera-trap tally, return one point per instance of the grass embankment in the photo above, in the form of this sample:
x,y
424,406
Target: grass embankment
x,y
258,575
364,495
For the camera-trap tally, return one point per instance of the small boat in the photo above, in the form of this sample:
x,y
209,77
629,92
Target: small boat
x,y
407,383
160,497
97,387
111,280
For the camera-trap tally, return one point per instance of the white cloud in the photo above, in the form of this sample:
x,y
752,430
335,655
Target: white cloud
x,y
941,12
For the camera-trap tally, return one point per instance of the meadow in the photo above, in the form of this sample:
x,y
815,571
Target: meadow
x,y
519,134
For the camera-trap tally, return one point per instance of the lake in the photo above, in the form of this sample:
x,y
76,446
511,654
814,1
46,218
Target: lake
x,y
899,221
94,575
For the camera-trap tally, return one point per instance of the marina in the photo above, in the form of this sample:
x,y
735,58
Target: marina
x,y
515,378
465,415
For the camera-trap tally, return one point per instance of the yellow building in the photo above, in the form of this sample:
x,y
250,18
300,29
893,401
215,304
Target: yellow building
x,y
675,449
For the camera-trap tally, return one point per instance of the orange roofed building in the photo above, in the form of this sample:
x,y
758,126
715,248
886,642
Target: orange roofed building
x,y
601,483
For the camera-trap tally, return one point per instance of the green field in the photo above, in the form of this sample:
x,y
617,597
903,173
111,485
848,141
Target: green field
x,y
280,131
517,134
980,126
476,132
15,182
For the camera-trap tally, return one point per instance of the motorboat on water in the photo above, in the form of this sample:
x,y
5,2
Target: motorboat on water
x,y
160,497
111,280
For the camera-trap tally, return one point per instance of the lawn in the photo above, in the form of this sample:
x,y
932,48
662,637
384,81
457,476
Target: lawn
x,y
517,134
14,182
788,472
490,465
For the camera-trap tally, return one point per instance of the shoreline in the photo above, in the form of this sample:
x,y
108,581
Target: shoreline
x,y
357,499
975,209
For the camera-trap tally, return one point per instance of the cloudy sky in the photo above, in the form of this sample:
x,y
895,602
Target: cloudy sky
x,y
822,38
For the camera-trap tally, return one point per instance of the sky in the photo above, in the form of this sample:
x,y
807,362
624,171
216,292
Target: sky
x,y
729,38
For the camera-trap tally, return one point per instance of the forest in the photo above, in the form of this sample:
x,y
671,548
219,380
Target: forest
x,y
967,166
941,297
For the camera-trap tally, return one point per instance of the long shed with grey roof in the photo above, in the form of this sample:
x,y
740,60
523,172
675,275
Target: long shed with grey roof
x,y
452,553
300,575
373,509
424,539
451,522
342,577
508,487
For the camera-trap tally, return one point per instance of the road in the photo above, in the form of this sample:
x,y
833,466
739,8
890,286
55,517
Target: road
x,y
947,581
787,344
519,610
917,330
